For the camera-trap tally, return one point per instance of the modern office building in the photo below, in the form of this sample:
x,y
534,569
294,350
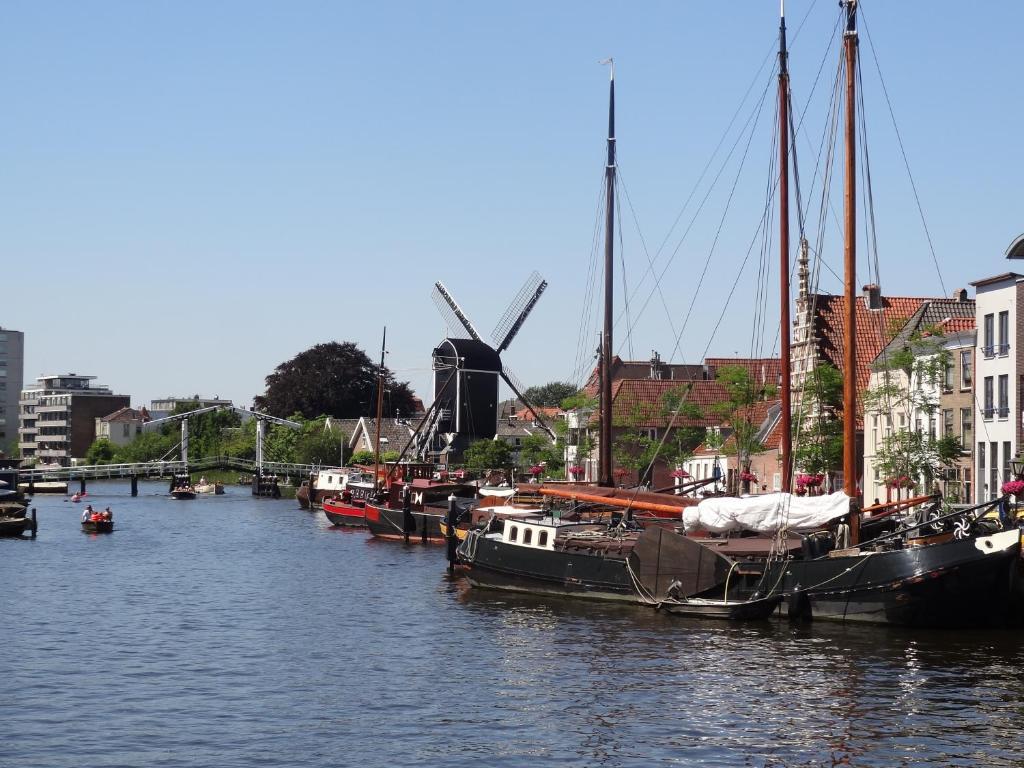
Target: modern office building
x,y
12,356
58,417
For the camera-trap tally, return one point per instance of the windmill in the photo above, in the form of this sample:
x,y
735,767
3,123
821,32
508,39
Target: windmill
x,y
466,368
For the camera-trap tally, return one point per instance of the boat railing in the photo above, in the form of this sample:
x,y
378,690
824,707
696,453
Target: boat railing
x,y
932,522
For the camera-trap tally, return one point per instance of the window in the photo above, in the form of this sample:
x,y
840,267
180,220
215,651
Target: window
x,y
513,533
528,536
993,471
967,483
966,361
988,349
777,481
126,430
988,408
931,426
1004,396
965,428
542,540
981,459
947,423
1004,333
1006,461
947,377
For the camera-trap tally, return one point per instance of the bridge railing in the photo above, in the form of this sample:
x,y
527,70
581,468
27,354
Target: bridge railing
x,y
163,469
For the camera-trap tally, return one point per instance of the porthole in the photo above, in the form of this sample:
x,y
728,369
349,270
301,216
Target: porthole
x,y
528,536
513,533
542,540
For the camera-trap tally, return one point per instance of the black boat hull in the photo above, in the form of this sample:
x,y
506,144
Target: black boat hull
x,y
14,526
98,526
387,523
971,582
493,564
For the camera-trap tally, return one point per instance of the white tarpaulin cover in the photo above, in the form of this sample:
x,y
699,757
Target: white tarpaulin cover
x,y
766,513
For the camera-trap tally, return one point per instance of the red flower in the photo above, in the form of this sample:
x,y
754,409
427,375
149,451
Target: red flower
x,y
1013,487
536,469
680,473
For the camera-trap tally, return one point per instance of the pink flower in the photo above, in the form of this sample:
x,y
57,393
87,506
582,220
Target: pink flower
x,y
680,473
1013,487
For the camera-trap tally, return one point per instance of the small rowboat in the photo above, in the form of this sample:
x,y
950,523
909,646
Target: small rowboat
x,y
14,526
734,610
183,494
98,526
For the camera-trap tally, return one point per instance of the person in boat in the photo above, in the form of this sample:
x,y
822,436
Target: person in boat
x,y
107,514
87,513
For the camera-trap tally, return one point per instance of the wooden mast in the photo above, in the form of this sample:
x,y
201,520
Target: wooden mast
x,y
604,458
850,271
784,319
380,410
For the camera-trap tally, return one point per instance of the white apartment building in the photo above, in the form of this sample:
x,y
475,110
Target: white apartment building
x,y
997,408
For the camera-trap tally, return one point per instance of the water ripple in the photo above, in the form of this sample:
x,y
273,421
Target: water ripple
x,y
233,631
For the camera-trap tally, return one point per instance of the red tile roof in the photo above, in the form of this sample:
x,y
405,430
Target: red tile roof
x,y
874,329
642,402
955,324
762,370
553,411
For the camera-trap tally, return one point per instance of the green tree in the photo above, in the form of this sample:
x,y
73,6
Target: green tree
x,y
539,449
909,381
361,457
100,452
149,446
817,431
736,409
335,378
550,394
487,454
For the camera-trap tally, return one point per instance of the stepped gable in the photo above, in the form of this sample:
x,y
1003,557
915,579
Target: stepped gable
x,y
641,403
873,328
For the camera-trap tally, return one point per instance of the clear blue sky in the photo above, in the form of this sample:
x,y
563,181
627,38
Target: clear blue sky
x,y
193,192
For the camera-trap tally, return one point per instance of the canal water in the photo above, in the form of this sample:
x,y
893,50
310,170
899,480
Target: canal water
x,y
232,631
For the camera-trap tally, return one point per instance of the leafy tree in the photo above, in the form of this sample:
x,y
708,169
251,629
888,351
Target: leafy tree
x,y
741,393
550,394
335,378
817,431
910,381
539,449
361,457
487,454
206,431
149,446
100,452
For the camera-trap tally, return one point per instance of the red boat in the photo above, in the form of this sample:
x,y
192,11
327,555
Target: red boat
x,y
347,506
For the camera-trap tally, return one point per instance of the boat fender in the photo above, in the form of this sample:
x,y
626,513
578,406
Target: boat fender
x,y
799,605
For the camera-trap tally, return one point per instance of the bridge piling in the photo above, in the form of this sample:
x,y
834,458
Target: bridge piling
x,y
81,484
135,486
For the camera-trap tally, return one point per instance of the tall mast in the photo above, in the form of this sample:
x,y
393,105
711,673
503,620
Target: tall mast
x,y
850,269
604,459
380,410
784,320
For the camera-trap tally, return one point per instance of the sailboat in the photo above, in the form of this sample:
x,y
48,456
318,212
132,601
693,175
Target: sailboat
x,y
948,570
575,550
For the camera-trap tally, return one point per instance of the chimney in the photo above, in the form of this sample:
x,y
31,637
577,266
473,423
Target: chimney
x,y
960,294
873,296
656,372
